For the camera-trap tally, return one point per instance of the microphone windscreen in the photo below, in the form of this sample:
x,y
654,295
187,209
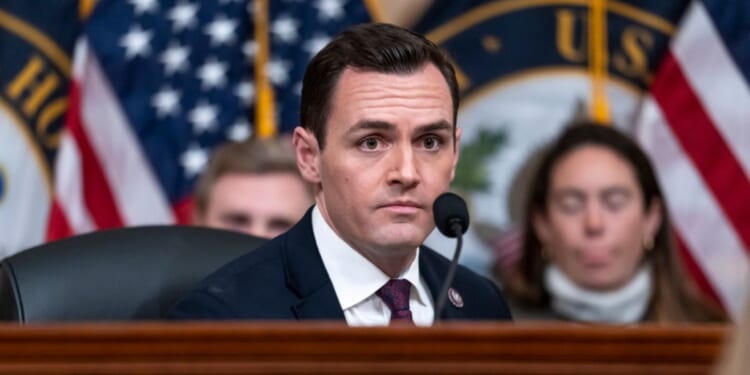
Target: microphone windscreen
x,y
449,208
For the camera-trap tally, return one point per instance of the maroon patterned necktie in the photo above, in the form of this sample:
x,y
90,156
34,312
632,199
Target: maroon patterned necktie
x,y
395,294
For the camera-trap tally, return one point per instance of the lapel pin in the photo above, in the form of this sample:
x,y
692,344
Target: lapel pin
x,y
455,298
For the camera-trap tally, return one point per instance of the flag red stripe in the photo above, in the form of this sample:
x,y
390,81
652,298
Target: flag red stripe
x,y
57,226
96,192
183,211
705,146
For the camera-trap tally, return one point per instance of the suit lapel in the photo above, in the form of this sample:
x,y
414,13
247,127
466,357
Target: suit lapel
x,y
433,271
321,304
306,275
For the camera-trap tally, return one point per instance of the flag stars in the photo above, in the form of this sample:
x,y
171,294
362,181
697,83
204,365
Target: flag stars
x,y
136,42
175,58
278,71
213,74
221,30
144,6
166,102
246,92
193,160
239,131
315,44
285,29
249,48
203,117
329,9
183,16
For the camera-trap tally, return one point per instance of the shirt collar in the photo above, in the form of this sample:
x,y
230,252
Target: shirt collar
x,y
355,278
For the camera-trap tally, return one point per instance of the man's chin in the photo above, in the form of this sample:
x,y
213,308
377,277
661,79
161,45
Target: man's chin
x,y
401,238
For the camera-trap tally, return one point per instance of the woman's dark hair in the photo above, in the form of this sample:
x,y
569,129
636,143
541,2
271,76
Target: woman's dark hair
x,y
674,299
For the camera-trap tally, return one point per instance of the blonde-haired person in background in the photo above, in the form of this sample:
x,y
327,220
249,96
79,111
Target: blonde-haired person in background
x,y
252,187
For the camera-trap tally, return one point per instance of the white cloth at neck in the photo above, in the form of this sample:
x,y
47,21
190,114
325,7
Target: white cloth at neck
x,y
627,304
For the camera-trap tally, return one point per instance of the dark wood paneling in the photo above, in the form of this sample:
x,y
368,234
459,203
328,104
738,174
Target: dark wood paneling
x,y
273,347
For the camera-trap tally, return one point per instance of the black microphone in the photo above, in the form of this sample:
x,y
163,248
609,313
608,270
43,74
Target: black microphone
x,y
451,215
452,220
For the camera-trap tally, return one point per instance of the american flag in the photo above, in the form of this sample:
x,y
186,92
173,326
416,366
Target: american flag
x,y
158,84
696,126
299,29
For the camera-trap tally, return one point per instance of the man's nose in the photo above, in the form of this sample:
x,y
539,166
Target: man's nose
x,y
404,168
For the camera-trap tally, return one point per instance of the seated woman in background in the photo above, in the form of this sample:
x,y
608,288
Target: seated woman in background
x,y
597,244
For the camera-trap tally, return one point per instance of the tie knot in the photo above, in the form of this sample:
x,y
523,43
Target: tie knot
x,y
395,294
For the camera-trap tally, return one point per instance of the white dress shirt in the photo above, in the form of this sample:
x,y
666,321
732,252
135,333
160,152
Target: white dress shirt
x,y
356,280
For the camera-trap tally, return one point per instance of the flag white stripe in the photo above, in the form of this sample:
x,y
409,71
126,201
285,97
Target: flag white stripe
x,y
134,187
69,186
708,234
701,52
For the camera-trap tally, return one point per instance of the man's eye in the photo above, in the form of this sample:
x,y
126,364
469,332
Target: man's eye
x,y
432,142
370,143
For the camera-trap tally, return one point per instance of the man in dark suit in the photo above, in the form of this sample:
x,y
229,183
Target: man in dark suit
x,y
379,143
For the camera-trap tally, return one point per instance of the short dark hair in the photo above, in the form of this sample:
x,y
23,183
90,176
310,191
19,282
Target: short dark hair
x,y
377,47
671,301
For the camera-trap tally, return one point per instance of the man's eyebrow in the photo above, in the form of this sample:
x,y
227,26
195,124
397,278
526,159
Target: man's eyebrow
x,y
371,125
436,126
384,125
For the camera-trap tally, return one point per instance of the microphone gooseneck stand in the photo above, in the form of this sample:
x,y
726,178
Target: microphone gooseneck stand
x,y
440,303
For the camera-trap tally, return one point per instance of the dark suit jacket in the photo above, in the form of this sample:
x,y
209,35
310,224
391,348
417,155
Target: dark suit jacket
x,y
286,279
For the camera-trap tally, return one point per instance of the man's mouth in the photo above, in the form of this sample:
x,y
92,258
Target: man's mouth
x,y
403,207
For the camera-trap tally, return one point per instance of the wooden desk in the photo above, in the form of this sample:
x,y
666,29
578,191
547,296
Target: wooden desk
x,y
238,348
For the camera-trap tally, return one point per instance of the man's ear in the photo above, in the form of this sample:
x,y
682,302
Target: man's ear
x,y
456,153
308,154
